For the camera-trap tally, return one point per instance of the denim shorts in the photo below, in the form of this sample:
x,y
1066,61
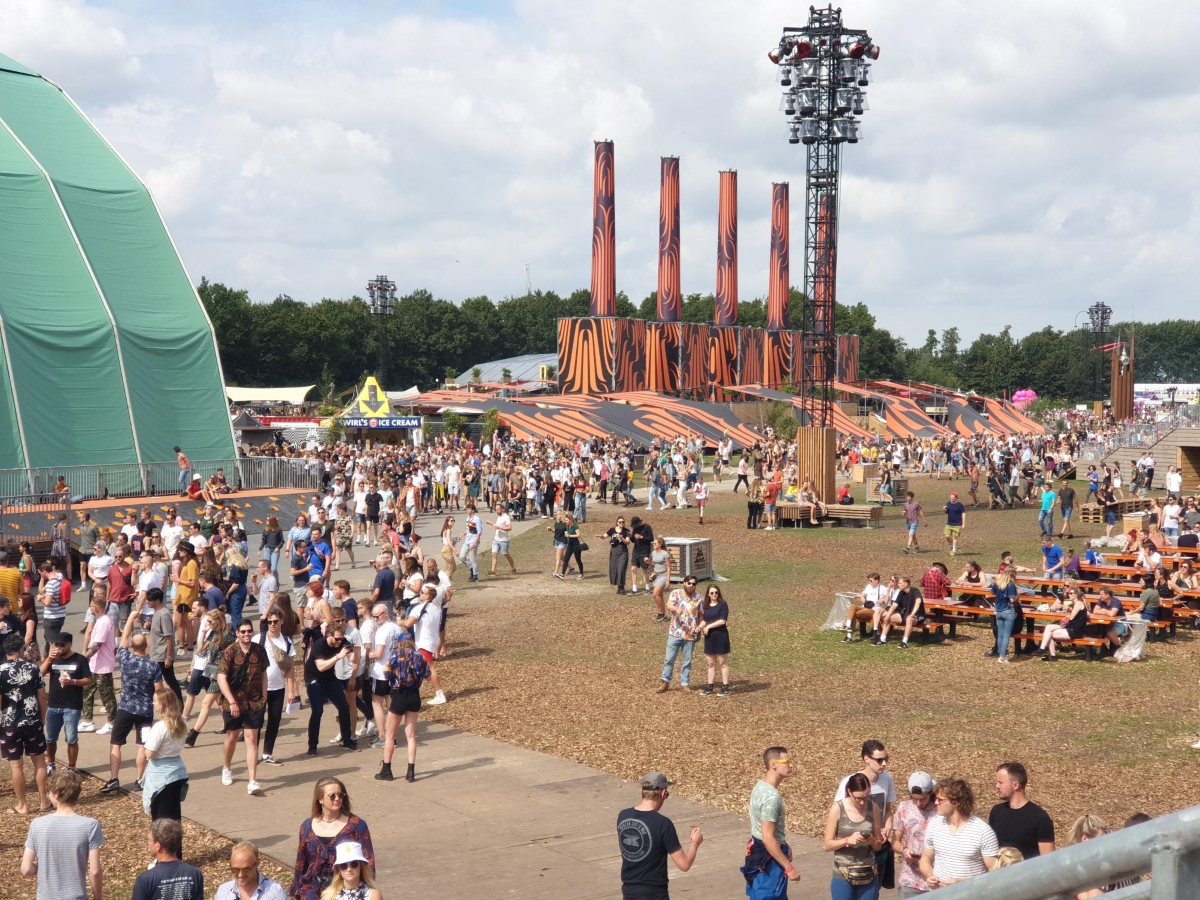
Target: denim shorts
x,y
560,545
912,528
499,548
62,719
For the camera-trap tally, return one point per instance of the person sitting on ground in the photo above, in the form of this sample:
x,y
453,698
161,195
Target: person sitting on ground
x,y
222,483
844,497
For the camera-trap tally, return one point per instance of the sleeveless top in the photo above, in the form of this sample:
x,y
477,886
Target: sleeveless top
x,y
860,854
1077,624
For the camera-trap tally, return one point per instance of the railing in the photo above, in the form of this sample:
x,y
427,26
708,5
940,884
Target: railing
x,y
29,517
161,478
1167,848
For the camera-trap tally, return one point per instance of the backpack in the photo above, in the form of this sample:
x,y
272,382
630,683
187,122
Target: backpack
x,y
64,591
407,668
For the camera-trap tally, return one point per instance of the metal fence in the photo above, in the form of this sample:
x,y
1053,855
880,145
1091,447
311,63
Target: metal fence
x,y
1167,848
155,479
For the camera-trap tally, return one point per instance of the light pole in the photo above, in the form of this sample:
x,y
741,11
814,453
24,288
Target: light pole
x,y
382,295
823,67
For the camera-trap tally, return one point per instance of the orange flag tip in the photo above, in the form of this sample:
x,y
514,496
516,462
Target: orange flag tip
x,y
50,517
276,499
258,521
14,526
158,518
275,509
75,530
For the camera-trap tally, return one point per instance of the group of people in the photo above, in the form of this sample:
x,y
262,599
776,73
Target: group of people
x,y
335,859
932,839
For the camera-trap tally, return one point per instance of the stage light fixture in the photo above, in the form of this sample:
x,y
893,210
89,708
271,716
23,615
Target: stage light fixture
x,y
794,134
858,103
785,75
806,101
775,54
864,74
803,48
788,103
853,131
839,130
810,131
849,70
843,100
808,71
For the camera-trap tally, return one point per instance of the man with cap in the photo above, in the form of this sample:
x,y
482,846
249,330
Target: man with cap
x,y
646,838
768,855
67,674
956,521
908,833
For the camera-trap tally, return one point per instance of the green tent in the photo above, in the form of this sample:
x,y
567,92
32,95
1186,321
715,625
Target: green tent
x,y
106,353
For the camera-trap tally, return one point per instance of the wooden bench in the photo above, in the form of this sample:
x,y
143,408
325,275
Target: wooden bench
x,y
857,514
1090,645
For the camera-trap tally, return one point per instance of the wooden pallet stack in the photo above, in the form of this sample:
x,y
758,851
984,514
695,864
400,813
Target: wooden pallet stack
x,y
1093,513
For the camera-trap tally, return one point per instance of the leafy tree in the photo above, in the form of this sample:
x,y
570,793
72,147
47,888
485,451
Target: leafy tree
x,y
454,422
491,422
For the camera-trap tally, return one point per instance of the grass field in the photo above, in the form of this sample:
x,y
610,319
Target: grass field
x,y
571,669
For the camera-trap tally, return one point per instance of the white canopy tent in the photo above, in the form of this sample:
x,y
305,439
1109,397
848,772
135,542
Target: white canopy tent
x,y
293,395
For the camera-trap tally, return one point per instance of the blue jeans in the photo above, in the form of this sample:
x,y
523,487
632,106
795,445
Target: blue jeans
x,y
674,645
64,720
580,507
841,889
185,477
1004,629
1046,521
236,601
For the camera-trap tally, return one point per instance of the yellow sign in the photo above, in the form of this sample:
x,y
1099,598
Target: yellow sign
x,y
371,401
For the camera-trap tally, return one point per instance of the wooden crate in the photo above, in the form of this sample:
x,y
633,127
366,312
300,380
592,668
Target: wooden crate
x,y
690,556
860,473
899,489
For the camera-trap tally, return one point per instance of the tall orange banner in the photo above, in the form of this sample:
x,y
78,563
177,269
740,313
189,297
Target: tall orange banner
x,y
669,300
604,234
825,282
779,288
727,272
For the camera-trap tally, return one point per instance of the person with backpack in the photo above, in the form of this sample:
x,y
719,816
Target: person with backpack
x,y
405,671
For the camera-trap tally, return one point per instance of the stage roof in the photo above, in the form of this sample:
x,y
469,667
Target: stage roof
x,y
293,395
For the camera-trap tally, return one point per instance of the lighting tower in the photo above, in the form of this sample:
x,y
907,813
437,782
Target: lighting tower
x,y
823,68
1099,318
382,296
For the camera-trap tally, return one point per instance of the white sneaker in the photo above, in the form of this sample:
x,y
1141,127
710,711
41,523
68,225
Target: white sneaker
x,y
1196,746
86,726
106,728
371,729
336,739
437,699
227,777
362,729
253,788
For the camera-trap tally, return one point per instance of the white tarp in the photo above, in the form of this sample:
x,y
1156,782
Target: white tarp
x,y
293,395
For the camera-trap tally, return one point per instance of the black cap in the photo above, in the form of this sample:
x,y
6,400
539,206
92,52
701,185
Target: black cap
x,y
59,636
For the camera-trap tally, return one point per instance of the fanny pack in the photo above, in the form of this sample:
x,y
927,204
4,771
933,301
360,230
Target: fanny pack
x,y
859,874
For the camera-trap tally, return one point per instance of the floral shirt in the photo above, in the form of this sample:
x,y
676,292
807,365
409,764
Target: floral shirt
x,y
139,675
314,857
685,623
20,682
910,823
250,694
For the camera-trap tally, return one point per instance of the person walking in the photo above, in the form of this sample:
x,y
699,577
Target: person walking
x,y
468,555
281,681
620,539
956,521
248,883
162,640
405,671
1066,504
660,562
332,823
62,850
101,653
21,731
165,784
185,471
500,541
768,867
324,652
1004,599
140,678
914,515
716,638
242,677
646,838
352,879
684,606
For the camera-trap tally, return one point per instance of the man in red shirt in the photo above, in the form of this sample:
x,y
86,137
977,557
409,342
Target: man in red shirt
x,y
935,584
770,496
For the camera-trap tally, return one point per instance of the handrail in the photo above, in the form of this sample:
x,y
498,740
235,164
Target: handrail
x,y
1168,848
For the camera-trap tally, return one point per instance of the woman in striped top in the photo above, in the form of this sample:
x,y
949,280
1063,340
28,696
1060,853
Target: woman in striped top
x,y
958,844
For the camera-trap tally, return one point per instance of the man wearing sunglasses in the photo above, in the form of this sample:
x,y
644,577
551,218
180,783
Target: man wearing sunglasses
x,y
242,678
883,788
646,838
767,854
247,881
685,628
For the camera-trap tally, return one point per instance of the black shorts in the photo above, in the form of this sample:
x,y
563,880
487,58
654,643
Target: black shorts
x,y
405,700
182,608
442,621
198,683
126,722
380,687
250,718
28,740
373,519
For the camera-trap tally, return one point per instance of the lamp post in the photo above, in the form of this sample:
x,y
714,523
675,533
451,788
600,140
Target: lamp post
x,y
382,295
823,67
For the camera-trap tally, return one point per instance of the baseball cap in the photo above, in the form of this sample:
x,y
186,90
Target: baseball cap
x,y
315,578
59,637
920,782
655,781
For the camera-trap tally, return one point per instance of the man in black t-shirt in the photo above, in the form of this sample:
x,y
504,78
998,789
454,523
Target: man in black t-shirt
x,y
171,878
1066,502
1190,538
67,673
1018,821
643,546
646,838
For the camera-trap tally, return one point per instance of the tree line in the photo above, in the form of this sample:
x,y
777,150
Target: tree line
x,y
335,342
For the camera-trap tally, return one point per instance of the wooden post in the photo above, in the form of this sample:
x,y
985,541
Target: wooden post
x,y
816,458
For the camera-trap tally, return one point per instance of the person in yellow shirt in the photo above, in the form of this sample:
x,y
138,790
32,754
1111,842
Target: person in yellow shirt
x,y
187,589
11,583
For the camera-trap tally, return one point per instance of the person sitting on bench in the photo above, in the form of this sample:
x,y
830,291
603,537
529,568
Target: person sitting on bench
x,y
812,500
908,609
867,605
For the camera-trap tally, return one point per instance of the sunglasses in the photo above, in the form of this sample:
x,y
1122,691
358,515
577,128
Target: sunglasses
x,y
272,621
336,795
243,870
245,631
347,865
878,759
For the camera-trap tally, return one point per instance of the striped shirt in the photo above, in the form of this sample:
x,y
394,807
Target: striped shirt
x,y
62,845
960,855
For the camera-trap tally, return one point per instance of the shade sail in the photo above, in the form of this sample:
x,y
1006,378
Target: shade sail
x,y
292,395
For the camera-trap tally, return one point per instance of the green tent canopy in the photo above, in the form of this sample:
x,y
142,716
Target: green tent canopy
x,y
106,353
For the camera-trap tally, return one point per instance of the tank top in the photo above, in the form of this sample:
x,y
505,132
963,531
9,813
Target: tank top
x,y
860,854
1077,624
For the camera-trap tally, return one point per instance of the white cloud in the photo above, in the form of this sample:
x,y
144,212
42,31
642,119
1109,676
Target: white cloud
x,y
1021,160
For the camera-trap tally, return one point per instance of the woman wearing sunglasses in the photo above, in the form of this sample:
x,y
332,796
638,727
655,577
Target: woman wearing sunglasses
x,y
331,824
351,876
853,833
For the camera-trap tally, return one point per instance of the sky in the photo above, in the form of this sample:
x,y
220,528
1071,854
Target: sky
x,y
1020,160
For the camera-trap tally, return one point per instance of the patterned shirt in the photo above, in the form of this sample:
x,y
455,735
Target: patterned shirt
x,y
249,694
20,682
139,675
685,623
935,585
766,805
910,822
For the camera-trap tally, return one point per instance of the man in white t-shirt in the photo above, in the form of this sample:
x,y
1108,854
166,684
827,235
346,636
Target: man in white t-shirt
x,y
862,608
1173,481
172,534
383,643
883,789
453,474
281,688
503,526
423,619
358,530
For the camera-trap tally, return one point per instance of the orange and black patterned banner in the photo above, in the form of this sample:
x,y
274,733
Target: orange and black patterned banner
x,y
777,365
798,350
722,355
629,360
604,234
751,354
779,287
825,282
693,356
669,299
727,263
847,357
585,355
662,357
